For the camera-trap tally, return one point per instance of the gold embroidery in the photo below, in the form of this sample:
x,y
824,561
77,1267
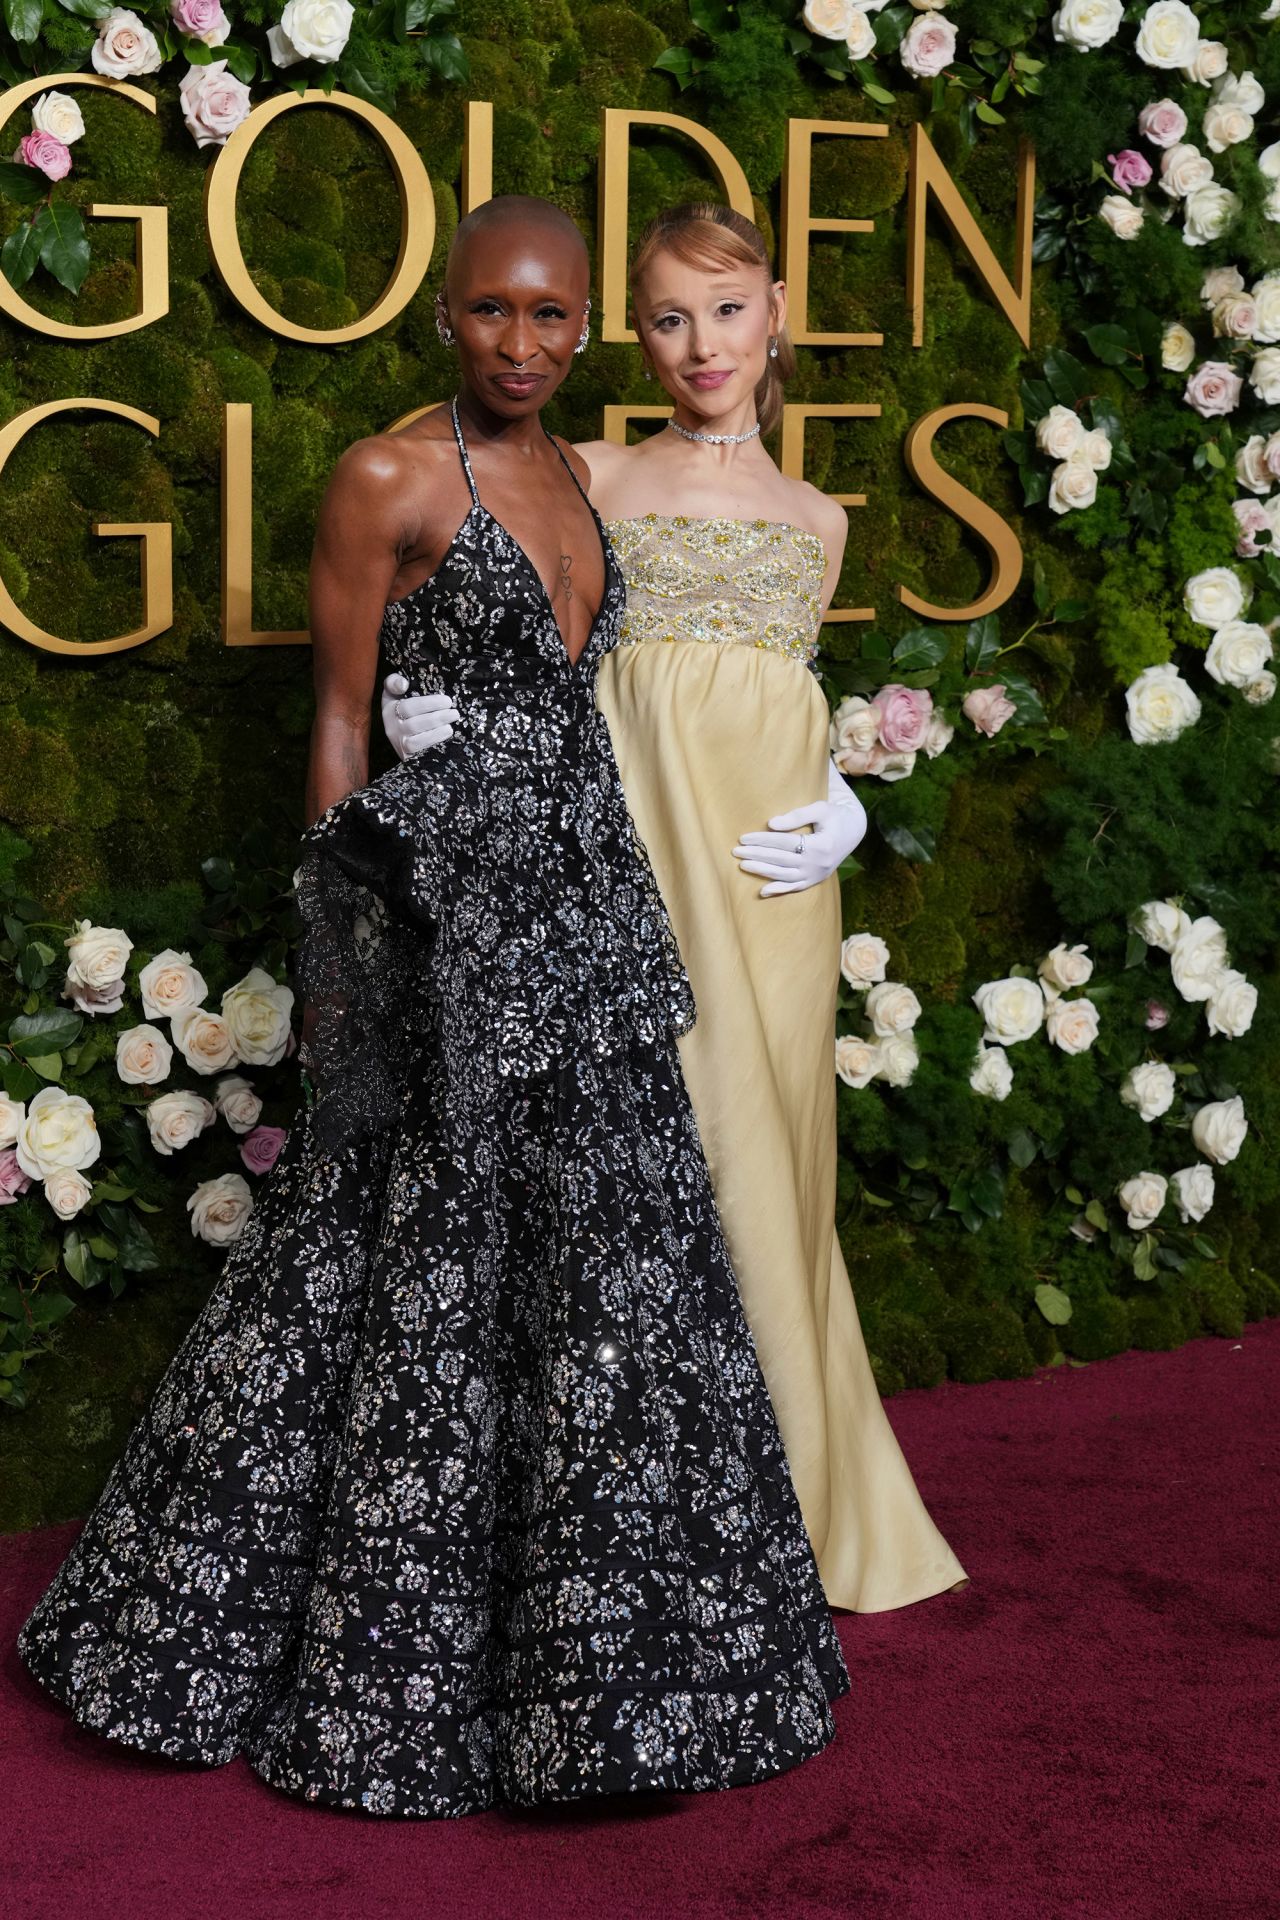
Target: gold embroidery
x,y
754,583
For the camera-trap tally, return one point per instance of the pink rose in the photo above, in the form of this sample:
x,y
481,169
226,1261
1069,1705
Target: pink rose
x,y
905,713
1213,389
50,157
1129,169
988,708
1163,123
261,1149
13,1180
214,103
1251,517
928,46
1157,1016
201,20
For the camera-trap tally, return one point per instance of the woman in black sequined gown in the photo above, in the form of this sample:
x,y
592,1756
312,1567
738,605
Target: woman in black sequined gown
x,y
465,1487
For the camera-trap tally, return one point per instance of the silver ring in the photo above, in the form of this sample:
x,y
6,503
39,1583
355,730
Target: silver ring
x,y
799,846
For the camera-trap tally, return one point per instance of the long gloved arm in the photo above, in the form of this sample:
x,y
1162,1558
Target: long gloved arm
x,y
789,860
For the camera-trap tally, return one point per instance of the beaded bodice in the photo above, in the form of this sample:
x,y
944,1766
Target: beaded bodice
x,y
750,583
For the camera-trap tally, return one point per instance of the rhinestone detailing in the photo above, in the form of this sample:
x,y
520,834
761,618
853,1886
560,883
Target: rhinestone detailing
x,y
752,583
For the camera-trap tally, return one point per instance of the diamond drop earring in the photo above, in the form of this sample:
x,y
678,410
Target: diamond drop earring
x,y
586,329
445,332
773,349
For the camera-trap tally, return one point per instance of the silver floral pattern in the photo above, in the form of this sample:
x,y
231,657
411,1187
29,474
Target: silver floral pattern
x,y
464,1486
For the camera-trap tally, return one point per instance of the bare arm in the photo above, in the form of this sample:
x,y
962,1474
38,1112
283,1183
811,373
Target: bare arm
x,y
834,530
360,535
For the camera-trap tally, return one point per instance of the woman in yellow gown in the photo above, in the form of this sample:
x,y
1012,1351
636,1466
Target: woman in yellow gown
x,y
719,726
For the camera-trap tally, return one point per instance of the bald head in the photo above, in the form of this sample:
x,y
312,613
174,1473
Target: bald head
x,y
524,219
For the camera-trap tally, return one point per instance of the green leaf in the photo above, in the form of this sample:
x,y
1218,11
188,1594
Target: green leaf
x,y
1024,696
1109,343
88,9
1205,1248
1067,379
1022,1147
198,53
444,52
1067,610
358,75
33,1033
981,642
64,245
1053,1304
916,844
677,61
1135,950
986,1191
1144,1266
241,59
47,1065
1096,1214
988,115
23,17
48,1307
24,185
921,647
20,1083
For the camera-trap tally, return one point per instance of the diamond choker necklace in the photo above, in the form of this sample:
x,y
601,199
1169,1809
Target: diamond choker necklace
x,y
716,439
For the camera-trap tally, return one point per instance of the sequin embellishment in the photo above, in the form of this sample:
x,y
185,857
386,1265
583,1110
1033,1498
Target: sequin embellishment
x,y
753,583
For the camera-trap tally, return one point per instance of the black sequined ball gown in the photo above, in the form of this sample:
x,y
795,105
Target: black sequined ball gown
x,y
464,1486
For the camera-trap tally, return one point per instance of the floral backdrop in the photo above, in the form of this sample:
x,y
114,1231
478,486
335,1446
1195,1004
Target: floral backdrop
x,y
1058,1069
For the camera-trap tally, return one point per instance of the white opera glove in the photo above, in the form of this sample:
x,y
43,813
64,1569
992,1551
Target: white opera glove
x,y
415,721
792,861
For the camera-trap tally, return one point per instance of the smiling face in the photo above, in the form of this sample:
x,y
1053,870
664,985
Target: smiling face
x,y
706,329
516,299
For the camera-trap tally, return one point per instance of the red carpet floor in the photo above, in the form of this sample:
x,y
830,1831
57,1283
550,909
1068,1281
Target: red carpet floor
x,y
1089,1729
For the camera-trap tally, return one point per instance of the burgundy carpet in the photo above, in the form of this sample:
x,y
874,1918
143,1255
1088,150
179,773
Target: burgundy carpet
x,y
1088,1729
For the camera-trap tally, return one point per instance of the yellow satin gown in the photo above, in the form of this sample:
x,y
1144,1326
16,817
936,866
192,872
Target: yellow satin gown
x,y
717,724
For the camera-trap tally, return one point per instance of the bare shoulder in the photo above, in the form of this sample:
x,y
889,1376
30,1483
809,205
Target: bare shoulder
x,y
378,481
818,513
599,457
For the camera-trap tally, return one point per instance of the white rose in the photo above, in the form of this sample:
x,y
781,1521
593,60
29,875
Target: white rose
x,y
863,959
1271,205
60,115
168,983
1238,653
928,46
894,766
855,725
1074,484
1122,215
96,955
1066,966
1160,706
1085,24
1150,1088
58,1131
1097,450
939,736
1225,126
203,1039
1240,90
314,30
1218,282
899,1058
12,1115
176,1119
1184,169
1208,62
1192,1189
1252,470
1177,347
143,1056
1214,596
1071,1024
1199,957
94,1000
124,46
1264,375
861,38
1260,691
1013,1009
237,1102
1142,1198
992,1075
1269,161
1168,34
857,1060
67,1192
892,1008
1219,1130
1208,213
1161,924
1232,1004
1266,306
829,19
219,1209
1060,432
257,1012
1235,317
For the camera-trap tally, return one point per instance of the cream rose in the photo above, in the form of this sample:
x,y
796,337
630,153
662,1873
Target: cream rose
x,y
174,1120
96,955
1199,958
1208,62
1065,966
939,735
12,1115
1269,161
857,1060
829,19
1122,215
1097,450
1161,923
1150,1088
1160,706
892,1008
58,1131
1071,1025
257,1013
1060,432
1239,651
1252,470
58,114
1183,170
1218,282
1086,24
314,30
992,1075
169,983
1266,308
1214,596
143,1056
899,1058
1232,1004
1177,347
237,1102
1143,1197
124,46
1168,35
67,1192
861,37
1262,690
1225,126
203,1039
1192,1189
989,708
863,959
1074,484
1012,1009
1208,213
220,1208
1219,1130
1264,375
1235,317
855,726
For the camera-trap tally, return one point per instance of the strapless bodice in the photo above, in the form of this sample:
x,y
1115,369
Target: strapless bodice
x,y
750,583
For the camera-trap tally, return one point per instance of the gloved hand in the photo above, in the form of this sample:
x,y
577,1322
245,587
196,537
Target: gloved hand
x,y
413,722
792,861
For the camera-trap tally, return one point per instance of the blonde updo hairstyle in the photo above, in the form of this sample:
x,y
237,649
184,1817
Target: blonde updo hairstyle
x,y
702,233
